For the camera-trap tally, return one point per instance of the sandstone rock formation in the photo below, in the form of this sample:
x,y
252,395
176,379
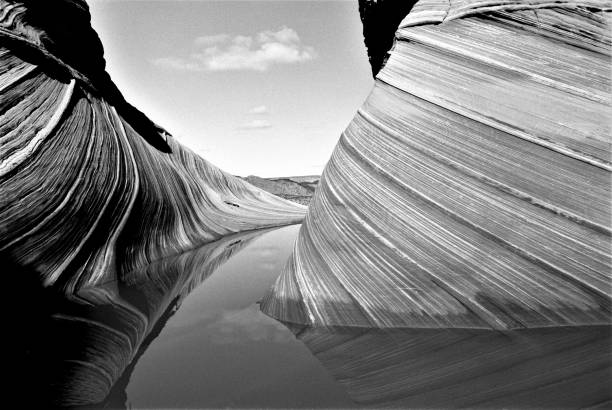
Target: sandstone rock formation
x,y
472,189
89,186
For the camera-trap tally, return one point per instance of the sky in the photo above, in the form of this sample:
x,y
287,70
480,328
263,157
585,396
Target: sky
x,y
256,87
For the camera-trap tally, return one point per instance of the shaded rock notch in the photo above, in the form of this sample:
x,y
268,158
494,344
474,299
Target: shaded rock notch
x,y
380,19
90,186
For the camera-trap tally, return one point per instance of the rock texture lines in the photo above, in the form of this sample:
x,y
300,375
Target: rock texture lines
x,y
89,186
472,189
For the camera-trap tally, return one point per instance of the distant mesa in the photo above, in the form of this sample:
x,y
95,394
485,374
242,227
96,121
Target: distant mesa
x,y
472,188
91,187
296,189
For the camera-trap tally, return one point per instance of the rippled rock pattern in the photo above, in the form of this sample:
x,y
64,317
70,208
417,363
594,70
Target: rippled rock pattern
x,y
89,186
82,347
472,189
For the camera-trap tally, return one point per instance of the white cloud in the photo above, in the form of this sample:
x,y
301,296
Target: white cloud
x,y
260,109
222,52
256,125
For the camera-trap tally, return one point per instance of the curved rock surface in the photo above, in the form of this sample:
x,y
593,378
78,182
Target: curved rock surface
x,y
472,189
89,186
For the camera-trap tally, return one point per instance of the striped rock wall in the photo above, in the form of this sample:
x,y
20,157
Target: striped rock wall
x,y
89,186
473,187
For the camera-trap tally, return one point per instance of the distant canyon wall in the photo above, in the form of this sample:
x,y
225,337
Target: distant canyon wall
x,y
297,189
473,187
89,186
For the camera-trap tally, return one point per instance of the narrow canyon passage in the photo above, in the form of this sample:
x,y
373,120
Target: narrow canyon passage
x,y
455,251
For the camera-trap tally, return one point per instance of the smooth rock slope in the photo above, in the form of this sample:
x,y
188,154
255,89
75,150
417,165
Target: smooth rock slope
x,y
89,186
472,189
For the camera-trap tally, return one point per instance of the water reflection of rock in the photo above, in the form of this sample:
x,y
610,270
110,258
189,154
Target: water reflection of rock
x,y
441,368
80,350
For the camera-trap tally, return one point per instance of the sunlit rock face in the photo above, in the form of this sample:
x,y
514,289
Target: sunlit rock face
x,y
472,189
89,186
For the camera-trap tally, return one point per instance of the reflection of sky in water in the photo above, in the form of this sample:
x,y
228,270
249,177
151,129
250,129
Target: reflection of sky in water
x,y
248,325
219,350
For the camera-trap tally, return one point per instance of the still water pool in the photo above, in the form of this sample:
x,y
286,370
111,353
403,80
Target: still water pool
x,y
219,350
186,332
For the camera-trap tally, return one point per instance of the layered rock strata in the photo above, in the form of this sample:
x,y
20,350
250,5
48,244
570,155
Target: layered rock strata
x,y
89,186
472,189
